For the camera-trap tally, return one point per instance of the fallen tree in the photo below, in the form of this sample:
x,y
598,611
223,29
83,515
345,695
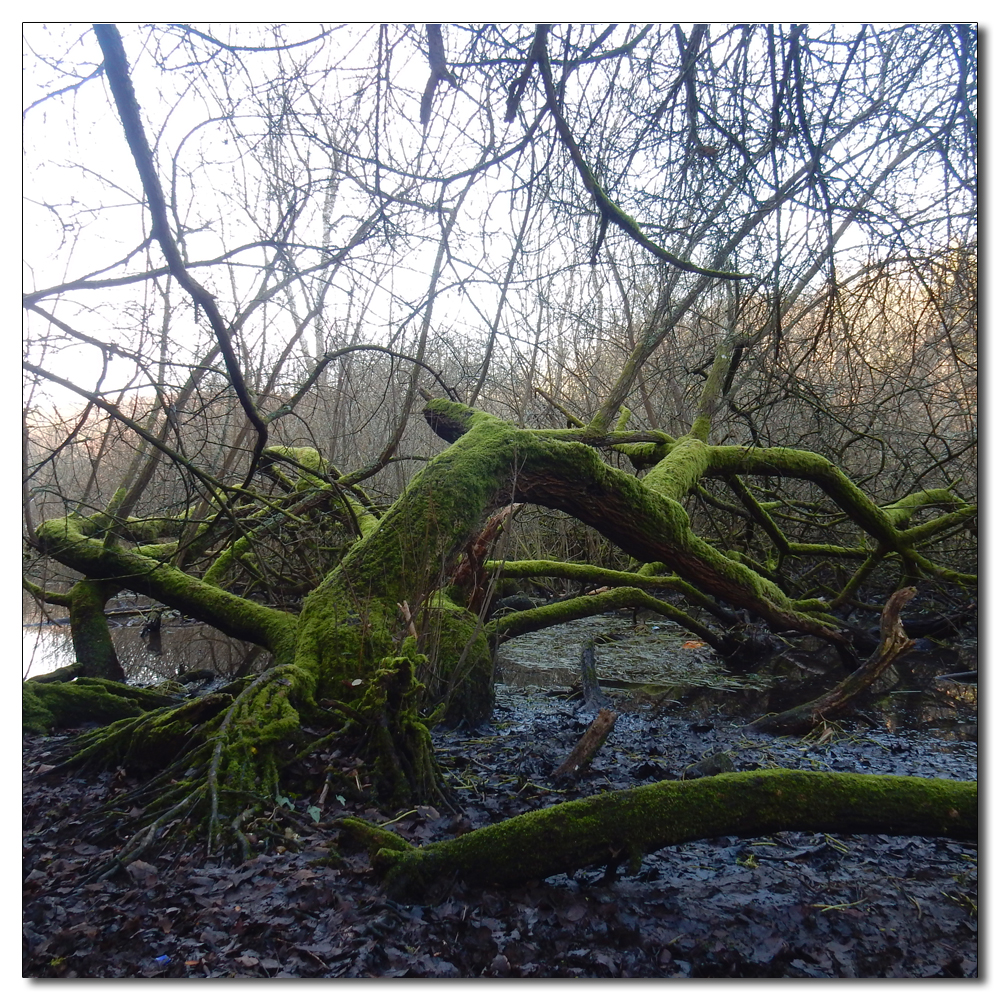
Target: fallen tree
x,y
350,650
375,614
619,828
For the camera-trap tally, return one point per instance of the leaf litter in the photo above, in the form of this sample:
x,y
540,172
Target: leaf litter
x,y
795,905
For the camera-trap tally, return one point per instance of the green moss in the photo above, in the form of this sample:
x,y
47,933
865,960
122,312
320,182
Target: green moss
x,y
306,461
92,643
645,522
36,715
398,741
352,620
807,465
67,540
372,837
459,669
520,622
56,705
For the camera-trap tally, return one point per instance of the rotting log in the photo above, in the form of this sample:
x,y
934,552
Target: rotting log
x,y
893,643
623,826
593,696
583,753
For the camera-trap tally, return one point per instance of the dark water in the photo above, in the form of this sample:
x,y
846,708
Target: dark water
x,y
657,664
147,659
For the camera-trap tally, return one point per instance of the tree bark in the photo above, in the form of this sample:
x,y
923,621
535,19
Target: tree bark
x,y
586,748
92,643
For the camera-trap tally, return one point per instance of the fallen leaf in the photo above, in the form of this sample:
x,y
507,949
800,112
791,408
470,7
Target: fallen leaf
x,y
142,873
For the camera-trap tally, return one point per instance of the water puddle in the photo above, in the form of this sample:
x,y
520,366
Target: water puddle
x,y
655,662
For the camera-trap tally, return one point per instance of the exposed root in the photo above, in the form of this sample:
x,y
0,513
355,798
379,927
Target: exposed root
x,y
142,839
397,738
225,749
217,760
244,752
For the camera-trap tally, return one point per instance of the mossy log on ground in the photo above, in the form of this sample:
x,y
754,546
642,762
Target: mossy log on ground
x,y
392,587
623,826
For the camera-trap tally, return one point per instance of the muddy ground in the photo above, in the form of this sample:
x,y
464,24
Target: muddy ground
x,y
795,905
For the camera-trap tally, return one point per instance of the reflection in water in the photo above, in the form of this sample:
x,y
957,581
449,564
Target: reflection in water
x,y
659,671
949,708
147,659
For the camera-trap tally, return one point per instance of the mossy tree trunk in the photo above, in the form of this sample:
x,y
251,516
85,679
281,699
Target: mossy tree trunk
x,y
92,643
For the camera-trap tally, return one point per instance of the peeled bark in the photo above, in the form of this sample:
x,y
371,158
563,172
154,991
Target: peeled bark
x,y
623,826
583,753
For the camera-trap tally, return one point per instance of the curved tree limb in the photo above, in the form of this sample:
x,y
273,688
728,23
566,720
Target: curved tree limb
x,y
236,616
117,71
519,622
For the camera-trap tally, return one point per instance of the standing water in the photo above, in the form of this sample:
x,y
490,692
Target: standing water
x,y
150,658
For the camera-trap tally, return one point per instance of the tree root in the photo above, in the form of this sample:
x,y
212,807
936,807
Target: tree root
x,y
217,760
396,738
223,747
56,700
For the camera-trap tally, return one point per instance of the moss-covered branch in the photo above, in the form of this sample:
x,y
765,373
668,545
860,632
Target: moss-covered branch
x,y
65,539
647,578
519,622
55,700
623,826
